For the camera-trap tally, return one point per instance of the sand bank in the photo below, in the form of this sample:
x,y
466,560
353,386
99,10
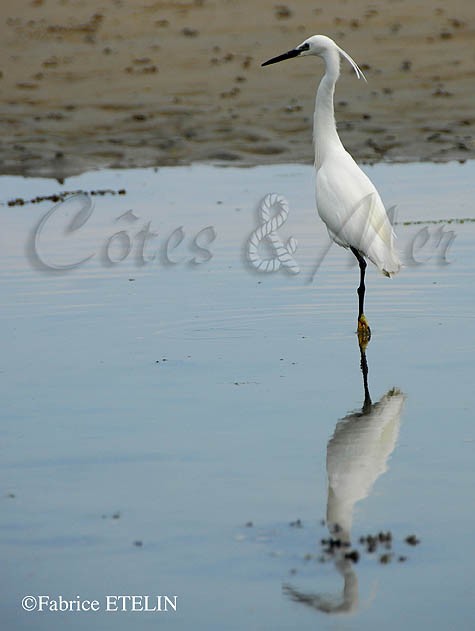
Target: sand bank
x,y
87,84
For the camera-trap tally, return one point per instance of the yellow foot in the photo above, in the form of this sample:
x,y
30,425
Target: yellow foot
x,y
364,332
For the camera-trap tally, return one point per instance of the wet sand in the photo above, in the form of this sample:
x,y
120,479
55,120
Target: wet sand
x,y
87,84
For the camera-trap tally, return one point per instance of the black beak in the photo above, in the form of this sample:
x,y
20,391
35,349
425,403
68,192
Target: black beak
x,y
291,53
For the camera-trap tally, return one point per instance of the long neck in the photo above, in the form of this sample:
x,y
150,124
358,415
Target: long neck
x,y
325,135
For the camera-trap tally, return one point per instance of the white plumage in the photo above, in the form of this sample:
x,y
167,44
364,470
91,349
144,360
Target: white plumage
x,y
362,224
347,200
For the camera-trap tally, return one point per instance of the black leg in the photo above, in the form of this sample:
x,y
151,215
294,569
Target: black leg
x,y
361,288
364,332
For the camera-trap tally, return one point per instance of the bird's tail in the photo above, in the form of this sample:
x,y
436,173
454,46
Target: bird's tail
x,y
391,265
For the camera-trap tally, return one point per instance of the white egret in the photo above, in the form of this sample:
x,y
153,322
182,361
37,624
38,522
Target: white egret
x,y
347,200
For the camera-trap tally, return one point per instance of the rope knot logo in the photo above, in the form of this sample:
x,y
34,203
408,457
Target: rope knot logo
x,y
273,213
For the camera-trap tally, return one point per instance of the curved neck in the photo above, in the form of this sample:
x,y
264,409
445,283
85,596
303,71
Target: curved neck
x,y
325,135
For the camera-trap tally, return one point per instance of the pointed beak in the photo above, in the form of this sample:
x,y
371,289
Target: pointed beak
x,y
288,55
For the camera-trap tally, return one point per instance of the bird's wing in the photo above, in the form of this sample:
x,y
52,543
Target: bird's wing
x,y
353,211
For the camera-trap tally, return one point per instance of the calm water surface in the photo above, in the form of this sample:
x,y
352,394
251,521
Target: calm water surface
x,y
162,394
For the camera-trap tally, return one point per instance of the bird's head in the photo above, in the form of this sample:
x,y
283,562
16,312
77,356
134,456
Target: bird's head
x,y
319,46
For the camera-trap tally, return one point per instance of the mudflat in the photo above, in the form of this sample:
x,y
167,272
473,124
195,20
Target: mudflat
x,y
88,84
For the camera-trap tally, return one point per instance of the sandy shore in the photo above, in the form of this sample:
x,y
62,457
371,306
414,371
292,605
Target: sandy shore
x,y
88,84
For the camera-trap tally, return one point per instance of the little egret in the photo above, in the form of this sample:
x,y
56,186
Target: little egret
x,y
347,200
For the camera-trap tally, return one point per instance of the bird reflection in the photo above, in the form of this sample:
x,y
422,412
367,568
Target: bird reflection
x,y
357,455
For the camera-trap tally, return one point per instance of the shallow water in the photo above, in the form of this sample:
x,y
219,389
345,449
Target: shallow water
x,y
153,408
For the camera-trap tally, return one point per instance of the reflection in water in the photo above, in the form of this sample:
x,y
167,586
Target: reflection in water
x,y
357,455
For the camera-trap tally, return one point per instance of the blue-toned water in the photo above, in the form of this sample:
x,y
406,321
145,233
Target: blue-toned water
x,y
162,394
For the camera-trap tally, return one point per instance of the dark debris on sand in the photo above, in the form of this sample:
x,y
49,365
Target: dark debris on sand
x,y
60,197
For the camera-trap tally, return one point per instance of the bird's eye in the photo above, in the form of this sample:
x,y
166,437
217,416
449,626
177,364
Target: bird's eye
x,y
305,46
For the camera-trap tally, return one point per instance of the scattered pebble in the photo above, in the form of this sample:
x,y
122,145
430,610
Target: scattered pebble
x,y
190,32
282,12
353,555
115,515
335,549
